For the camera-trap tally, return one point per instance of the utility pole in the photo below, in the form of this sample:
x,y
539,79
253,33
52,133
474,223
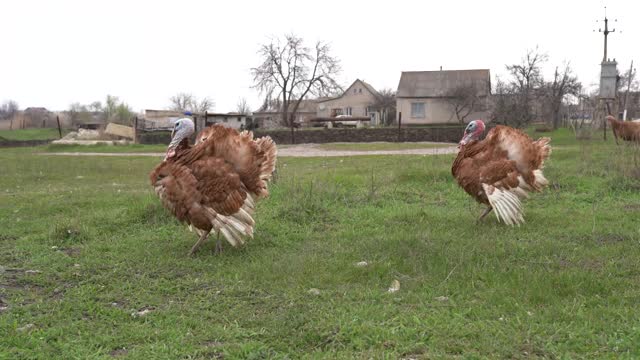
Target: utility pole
x,y
624,104
608,76
606,32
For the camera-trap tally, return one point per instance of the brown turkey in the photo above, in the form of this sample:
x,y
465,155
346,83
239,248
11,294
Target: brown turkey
x,y
214,184
499,170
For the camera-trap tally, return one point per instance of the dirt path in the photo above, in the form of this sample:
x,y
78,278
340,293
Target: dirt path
x,y
303,150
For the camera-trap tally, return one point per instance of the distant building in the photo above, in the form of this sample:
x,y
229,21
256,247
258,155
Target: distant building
x,y
38,117
423,97
89,120
271,117
359,100
232,120
165,119
159,119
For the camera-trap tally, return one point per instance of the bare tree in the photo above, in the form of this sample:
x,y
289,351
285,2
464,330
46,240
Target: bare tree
x,y
95,106
202,105
515,100
110,107
555,92
386,104
629,86
463,100
188,102
78,113
181,102
243,107
290,71
115,110
8,110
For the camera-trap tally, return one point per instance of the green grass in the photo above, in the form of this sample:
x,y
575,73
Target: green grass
x,y
564,285
102,148
381,146
32,134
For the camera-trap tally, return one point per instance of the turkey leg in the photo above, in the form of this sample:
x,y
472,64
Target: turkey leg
x,y
485,213
195,247
218,244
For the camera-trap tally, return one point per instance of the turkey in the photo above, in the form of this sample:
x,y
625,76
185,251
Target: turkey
x,y
214,184
501,169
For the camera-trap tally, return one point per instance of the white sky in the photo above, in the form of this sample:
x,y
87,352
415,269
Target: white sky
x,y
64,51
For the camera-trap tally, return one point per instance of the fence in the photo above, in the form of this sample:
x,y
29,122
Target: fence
x,y
450,134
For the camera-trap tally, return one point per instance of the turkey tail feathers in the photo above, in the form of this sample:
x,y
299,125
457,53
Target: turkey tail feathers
x,y
269,153
237,226
268,147
506,204
545,148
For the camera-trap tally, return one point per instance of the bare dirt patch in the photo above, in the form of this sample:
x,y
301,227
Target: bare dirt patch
x,y
119,352
71,252
302,150
632,207
604,239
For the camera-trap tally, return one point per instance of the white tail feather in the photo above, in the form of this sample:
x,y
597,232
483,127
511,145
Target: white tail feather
x,y
506,204
237,226
540,180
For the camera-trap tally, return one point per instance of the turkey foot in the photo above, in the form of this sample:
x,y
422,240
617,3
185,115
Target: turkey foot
x,y
485,213
195,247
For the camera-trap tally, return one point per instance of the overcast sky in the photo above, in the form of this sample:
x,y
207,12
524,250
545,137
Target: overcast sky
x,y
64,51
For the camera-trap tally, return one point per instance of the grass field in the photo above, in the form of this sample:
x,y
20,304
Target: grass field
x,y
86,247
32,134
101,148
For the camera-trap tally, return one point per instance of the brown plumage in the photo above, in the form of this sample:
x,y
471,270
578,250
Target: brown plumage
x,y
626,130
499,170
213,185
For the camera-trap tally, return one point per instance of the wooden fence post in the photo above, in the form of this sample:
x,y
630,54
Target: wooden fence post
x,y
399,124
135,129
59,129
605,120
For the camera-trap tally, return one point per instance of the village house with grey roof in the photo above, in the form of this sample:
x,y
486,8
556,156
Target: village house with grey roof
x,y
425,97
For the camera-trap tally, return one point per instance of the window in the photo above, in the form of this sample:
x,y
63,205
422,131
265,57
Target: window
x,y
369,110
347,111
417,110
239,119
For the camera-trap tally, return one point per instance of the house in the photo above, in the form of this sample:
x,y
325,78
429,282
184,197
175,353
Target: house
x,y
165,119
36,117
432,97
359,100
232,120
271,116
159,119
93,120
